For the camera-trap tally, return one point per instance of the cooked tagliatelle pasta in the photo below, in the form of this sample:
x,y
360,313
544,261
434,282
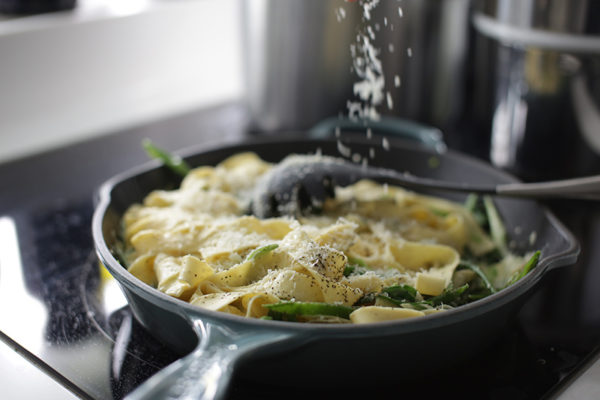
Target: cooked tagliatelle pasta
x,y
374,253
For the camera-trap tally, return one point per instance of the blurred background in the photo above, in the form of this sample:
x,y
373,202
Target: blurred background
x,y
103,65
82,82
501,79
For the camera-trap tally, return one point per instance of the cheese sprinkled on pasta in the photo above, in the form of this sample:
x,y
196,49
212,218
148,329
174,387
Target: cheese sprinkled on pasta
x,y
197,244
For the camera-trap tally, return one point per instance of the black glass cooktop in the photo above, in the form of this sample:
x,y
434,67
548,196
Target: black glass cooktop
x,y
68,316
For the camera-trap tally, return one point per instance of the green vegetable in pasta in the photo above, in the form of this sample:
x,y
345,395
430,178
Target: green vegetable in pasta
x,y
438,212
349,269
474,205
173,162
261,251
405,296
367,300
491,257
357,261
401,293
529,265
355,266
290,310
467,265
353,269
496,226
449,296
387,301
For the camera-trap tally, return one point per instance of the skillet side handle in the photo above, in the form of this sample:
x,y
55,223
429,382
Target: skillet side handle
x,y
206,372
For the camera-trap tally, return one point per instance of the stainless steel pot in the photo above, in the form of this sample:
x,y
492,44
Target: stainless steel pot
x,y
538,75
299,68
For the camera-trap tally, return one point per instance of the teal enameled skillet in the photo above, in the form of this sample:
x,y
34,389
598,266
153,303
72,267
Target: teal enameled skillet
x,y
320,355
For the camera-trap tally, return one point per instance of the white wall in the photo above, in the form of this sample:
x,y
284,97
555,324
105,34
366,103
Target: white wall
x,y
68,76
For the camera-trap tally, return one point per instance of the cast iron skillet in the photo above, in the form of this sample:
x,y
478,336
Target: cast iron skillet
x,y
315,355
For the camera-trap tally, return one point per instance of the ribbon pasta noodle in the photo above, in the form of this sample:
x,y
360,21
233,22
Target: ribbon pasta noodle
x,y
370,243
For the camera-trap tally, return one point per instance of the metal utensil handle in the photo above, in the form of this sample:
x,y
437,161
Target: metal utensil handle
x,y
577,188
205,373
416,182
586,188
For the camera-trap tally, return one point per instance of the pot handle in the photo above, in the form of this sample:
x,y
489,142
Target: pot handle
x,y
205,372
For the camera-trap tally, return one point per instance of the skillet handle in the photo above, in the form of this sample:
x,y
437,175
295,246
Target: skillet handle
x,y
205,373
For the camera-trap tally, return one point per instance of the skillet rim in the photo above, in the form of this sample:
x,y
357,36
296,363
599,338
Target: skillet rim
x,y
393,327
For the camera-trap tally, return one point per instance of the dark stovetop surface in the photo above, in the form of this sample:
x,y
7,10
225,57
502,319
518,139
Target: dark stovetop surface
x,y
66,314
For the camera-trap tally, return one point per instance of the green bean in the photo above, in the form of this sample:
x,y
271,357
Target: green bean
x,y
401,292
173,162
289,310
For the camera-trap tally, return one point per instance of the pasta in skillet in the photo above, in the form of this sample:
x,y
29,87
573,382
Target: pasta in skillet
x,y
375,252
